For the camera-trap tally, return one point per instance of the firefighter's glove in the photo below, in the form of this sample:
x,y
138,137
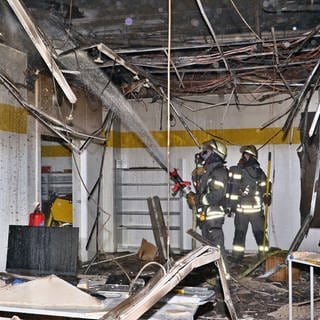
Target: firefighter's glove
x,y
267,199
192,199
197,172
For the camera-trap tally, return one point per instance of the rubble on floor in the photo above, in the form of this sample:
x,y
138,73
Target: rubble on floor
x,y
252,297
199,296
264,299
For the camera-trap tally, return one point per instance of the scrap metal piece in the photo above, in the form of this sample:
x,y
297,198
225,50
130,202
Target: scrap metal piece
x,y
46,54
314,122
226,292
296,105
198,237
135,306
221,268
115,57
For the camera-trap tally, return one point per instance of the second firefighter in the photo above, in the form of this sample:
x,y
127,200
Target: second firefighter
x,y
249,185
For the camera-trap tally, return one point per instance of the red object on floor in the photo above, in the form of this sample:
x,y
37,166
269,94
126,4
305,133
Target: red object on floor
x,y
36,219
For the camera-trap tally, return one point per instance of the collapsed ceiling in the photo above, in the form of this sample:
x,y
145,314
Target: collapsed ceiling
x,y
201,47
228,46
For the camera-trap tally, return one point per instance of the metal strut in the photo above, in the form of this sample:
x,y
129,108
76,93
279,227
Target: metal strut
x,y
304,227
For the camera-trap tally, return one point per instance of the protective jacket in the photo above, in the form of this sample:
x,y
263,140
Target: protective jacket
x,y
211,188
249,188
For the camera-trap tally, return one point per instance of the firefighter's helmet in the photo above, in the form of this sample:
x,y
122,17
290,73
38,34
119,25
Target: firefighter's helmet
x,y
217,147
251,149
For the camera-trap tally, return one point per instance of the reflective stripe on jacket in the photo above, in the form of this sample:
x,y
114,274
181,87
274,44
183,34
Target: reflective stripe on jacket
x,y
212,191
252,186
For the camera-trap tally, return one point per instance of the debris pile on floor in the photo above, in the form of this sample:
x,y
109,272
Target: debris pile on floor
x,y
262,299
198,296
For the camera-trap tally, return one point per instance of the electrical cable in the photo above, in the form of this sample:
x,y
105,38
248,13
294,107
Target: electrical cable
x,y
85,186
205,131
213,34
35,112
244,20
222,104
70,15
96,221
144,267
269,139
168,134
161,115
273,227
226,109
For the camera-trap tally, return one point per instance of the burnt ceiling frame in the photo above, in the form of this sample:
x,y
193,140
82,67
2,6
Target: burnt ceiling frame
x,y
270,63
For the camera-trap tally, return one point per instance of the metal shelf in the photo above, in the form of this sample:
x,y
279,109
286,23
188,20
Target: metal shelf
x,y
59,183
139,227
134,186
145,213
143,184
138,198
141,169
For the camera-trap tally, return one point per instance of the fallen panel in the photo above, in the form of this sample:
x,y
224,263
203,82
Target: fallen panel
x,y
136,305
178,307
49,292
78,314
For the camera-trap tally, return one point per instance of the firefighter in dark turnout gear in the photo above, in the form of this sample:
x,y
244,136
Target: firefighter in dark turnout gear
x,y
250,196
210,182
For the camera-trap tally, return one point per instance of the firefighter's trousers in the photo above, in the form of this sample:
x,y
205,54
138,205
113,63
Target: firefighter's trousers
x,y
241,223
212,231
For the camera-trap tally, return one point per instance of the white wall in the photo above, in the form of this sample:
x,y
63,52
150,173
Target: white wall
x,y
86,169
57,163
17,170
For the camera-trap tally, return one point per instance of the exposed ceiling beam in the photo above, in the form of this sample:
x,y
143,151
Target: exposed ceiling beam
x,y
46,54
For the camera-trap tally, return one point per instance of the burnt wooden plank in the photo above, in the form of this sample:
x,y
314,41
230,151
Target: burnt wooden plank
x,y
161,223
156,230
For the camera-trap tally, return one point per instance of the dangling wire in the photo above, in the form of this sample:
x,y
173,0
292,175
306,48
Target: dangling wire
x,y
70,15
168,131
244,21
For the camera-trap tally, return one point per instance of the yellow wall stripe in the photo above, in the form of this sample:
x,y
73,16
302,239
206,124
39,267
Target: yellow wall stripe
x,y
181,138
55,151
13,119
